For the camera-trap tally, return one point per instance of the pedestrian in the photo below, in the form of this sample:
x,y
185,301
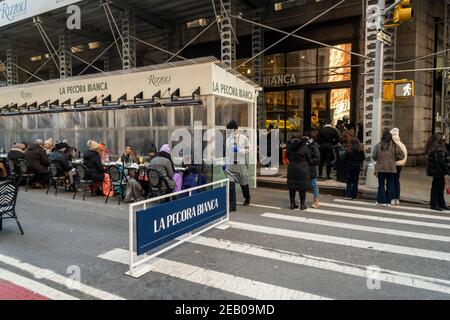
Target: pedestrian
x,y
314,168
438,167
353,158
399,164
386,153
299,173
328,138
237,152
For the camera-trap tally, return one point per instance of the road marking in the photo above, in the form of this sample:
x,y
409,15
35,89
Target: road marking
x,y
40,273
373,204
376,246
384,275
387,211
219,280
358,227
34,286
379,219
265,207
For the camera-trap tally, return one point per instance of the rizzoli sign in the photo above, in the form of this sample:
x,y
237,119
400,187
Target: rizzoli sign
x,y
11,11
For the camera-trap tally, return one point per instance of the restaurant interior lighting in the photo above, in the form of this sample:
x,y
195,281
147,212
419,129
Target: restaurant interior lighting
x,y
94,45
36,58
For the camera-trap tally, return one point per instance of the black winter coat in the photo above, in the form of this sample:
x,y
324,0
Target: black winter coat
x,y
16,154
315,159
37,159
438,163
354,158
299,173
328,135
61,158
93,162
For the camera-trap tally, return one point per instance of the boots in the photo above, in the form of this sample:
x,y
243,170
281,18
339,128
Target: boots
x,y
315,204
246,193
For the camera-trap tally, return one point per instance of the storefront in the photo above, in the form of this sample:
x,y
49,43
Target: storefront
x,y
305,88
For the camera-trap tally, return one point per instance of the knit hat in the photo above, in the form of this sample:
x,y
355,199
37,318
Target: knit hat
x,y
92,145
395,132
61,145
165,148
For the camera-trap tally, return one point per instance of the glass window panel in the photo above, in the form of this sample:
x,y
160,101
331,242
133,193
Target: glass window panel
x,y
139,140
276,111
318,109
201,114
138,118
44,121
340,100
159,117
303,65
94,119
295,112
183,116
229,109
335,64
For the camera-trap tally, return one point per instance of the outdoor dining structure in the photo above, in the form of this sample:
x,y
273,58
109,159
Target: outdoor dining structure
x,y
138,107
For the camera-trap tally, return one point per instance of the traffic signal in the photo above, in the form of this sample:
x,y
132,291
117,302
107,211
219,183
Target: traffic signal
x,y
403,11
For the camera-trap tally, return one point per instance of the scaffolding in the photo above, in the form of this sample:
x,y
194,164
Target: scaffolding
x,y
444,114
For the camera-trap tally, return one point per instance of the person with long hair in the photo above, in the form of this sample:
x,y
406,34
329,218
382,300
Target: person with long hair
x,y
438,167
129,156
353,158
299,173
386,154
399,164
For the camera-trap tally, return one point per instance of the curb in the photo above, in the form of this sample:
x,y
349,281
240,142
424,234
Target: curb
x,y
334,191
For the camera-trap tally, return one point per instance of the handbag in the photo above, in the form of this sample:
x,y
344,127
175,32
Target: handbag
x,y
447,186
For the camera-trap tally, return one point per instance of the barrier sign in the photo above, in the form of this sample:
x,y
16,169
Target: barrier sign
x,y
158,225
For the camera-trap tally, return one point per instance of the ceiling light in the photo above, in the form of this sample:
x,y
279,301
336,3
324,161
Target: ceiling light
x,y
36,58
94,45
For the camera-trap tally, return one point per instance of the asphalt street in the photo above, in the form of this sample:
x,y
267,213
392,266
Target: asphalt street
x,y
344,250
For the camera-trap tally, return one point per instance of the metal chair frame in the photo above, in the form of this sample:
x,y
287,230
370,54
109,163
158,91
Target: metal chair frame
x,y
8,199
25,173
118,179
57,176
82,172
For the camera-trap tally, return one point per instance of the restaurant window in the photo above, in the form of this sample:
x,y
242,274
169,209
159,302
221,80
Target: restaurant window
x,y
276,111
303,65
294,112
340,100
335,63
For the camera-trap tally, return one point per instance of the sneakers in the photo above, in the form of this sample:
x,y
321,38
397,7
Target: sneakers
x,y
395,202
348,198
315,204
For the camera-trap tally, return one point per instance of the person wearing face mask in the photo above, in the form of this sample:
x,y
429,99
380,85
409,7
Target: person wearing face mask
x,y
237,152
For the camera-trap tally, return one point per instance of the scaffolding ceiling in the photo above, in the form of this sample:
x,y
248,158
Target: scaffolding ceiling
x,y
153,18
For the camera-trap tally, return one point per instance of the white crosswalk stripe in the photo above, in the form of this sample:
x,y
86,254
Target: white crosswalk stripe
x,y
393,232
40,273
219,280
373,204
34,286
374,218
370,245
419,282
385,211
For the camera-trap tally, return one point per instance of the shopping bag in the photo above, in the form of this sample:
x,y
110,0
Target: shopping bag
x,y
106,186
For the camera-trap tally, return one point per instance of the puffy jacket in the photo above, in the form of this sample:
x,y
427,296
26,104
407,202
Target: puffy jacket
x,y
37,159
354,158
328,135
438,164
93,163
299,174
315,159
402,146
16,154
386,159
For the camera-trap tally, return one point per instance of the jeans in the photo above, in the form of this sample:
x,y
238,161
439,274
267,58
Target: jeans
x,y
352,181
397,184
437,199
386,187
315,188
245,192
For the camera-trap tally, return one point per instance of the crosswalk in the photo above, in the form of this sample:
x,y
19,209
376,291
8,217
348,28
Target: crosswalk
x,y
344,244
344,250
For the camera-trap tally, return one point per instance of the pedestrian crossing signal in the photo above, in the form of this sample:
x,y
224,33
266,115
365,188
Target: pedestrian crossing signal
x,y
397,90
403,12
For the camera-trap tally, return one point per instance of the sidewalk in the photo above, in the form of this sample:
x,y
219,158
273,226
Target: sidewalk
x,y
416,185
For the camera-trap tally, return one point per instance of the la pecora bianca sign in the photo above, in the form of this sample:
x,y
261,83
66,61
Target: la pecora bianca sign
x,y
12,11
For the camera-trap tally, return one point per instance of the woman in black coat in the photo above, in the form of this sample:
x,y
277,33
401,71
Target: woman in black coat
x,y
299,173
93,162
439,168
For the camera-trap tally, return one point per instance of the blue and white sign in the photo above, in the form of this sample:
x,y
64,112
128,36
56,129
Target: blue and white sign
x,y
163,223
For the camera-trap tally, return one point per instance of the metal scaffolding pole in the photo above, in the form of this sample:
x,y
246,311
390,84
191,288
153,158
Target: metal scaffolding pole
x,y
129,44
257,66
228,41
445,95
12,72
65,59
